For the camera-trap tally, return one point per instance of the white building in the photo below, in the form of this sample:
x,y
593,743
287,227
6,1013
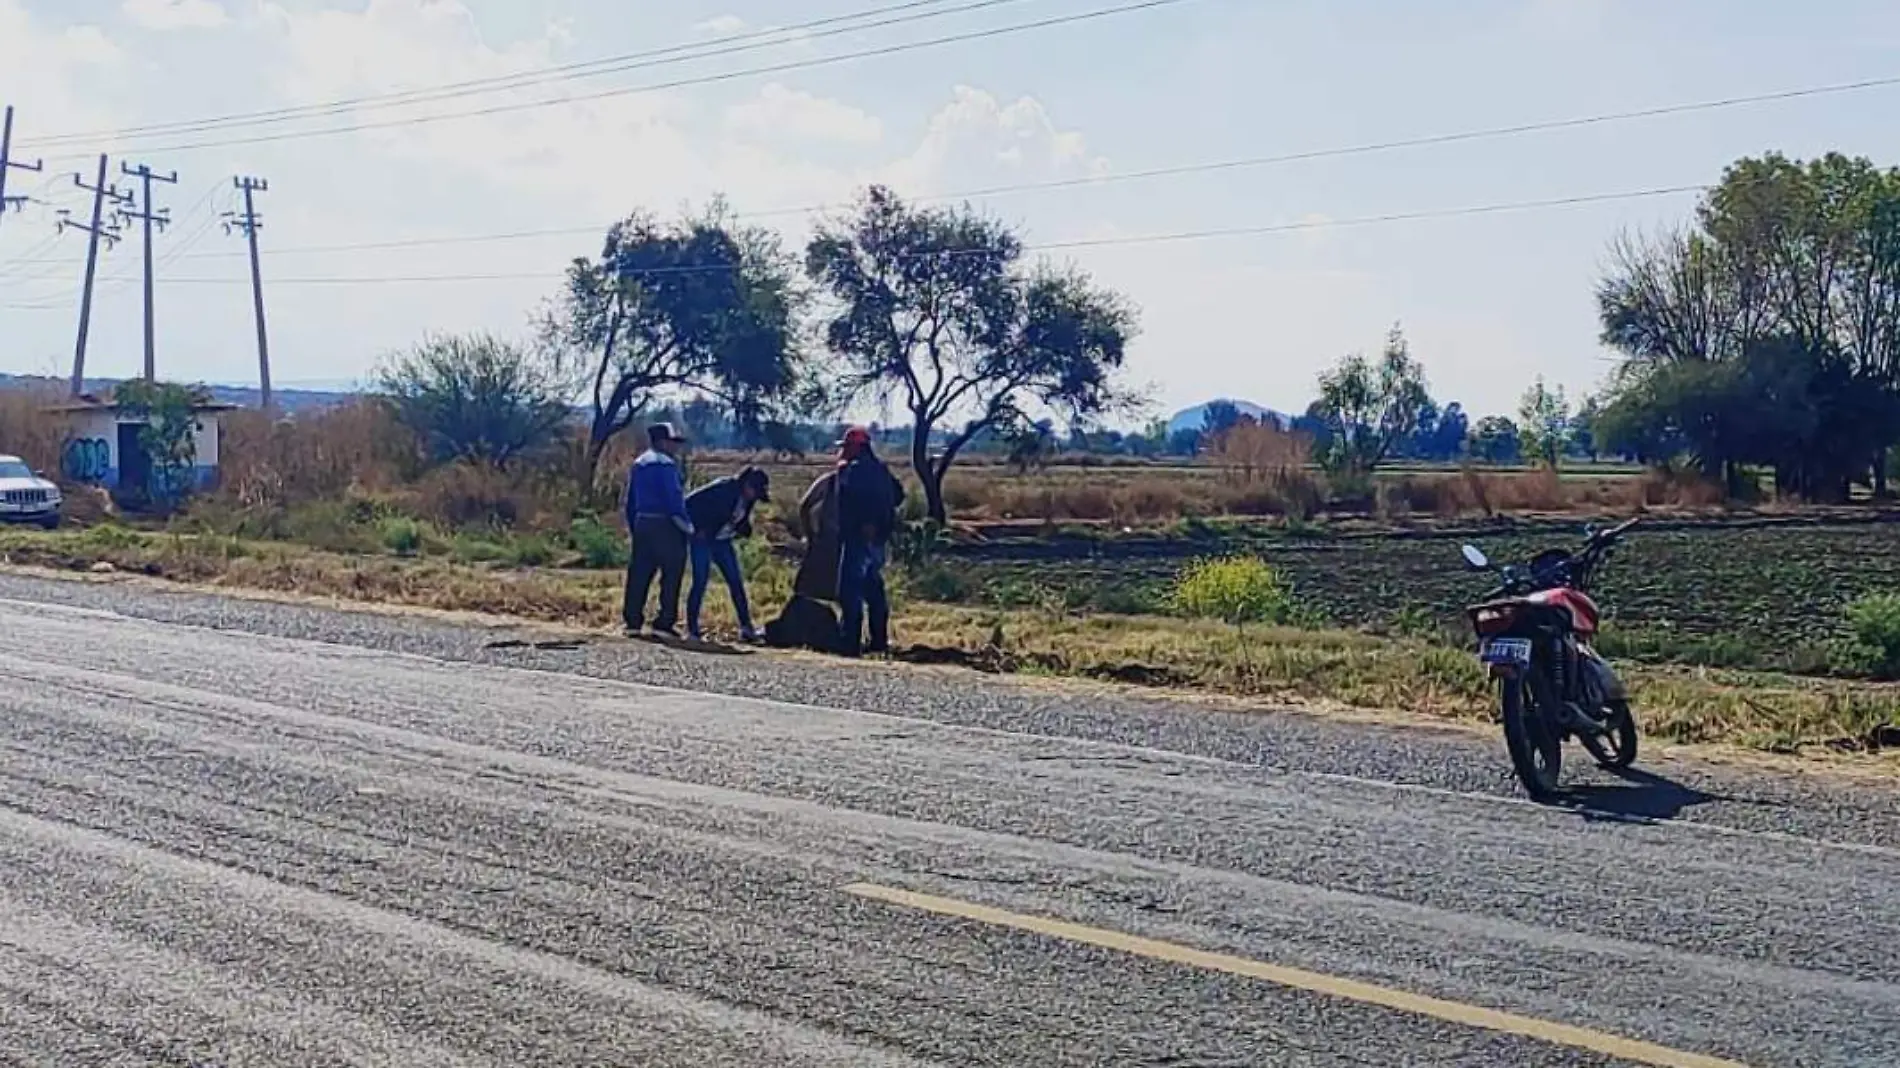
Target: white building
x,y
103,449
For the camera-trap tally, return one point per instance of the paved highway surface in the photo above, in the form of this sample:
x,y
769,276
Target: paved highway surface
x,y
235,833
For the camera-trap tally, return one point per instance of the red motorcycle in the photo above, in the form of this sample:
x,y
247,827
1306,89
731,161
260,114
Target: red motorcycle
x,y
1534,638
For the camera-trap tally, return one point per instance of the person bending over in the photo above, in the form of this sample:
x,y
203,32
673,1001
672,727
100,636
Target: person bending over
x,y
721,512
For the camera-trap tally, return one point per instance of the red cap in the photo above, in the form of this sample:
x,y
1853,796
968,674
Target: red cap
x,y
857,435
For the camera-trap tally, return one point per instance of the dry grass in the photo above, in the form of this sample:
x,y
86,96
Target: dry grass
x,y
359,451
28,431
1760,711
1144,496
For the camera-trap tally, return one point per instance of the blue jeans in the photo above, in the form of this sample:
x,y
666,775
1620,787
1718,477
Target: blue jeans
x,y
706,553
861,587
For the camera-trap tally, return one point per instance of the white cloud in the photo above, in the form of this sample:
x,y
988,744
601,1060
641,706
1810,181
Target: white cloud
x,y
976,134
175,14
721,26
578,163
596,158
563,150
51,73
780,113
90,45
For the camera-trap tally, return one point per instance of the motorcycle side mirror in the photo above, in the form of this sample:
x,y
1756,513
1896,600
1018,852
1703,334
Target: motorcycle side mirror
x,y
1475,557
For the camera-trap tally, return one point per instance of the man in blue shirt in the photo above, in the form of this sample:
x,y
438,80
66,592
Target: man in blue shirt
x,y
661,531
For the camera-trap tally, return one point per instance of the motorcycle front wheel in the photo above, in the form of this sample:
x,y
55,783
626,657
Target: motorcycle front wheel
x,y
1536,747
1617,749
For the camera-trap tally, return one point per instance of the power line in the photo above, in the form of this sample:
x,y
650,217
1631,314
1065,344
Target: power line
x,y
1182,170
706,79
669,55
8,165
152,217
1054,246
56,266
249,223
200,225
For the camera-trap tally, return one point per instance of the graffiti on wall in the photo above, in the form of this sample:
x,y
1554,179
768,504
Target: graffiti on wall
x,y
86,459
169,485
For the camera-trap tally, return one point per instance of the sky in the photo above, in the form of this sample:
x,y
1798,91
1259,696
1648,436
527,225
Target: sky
x,y
1488,301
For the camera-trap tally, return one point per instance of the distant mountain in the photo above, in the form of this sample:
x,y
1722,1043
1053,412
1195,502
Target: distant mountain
x,y
1196,417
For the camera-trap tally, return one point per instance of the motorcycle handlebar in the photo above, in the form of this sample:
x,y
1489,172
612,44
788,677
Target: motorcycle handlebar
x,y
1615,532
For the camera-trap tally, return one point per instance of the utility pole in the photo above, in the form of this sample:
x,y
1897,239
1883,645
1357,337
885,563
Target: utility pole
x,y
7,164
249,223
101,192
162,218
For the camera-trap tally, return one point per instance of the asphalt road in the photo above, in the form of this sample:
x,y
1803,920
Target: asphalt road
x,y
245,834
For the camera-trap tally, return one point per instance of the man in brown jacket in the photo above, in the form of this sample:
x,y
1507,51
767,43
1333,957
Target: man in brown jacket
x,y
818,520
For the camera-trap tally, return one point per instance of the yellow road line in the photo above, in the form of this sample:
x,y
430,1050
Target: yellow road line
x,y
1315,982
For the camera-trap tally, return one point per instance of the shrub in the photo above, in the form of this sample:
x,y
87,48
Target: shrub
x,y
401,535
530,550
476,398
1148,498
340,526
28,431
600,545
267,463
1236,590
942,583
1874,621
472,495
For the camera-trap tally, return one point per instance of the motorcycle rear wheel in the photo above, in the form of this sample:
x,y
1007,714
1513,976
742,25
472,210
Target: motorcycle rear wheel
x,y
1536,746
1616,750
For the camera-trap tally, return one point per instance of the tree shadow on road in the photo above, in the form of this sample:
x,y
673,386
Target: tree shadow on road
x,y
1638,795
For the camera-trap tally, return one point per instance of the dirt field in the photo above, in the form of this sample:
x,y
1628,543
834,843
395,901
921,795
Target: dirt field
x,y
1741,590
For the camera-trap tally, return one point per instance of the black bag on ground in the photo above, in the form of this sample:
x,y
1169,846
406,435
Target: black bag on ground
x,y
805,624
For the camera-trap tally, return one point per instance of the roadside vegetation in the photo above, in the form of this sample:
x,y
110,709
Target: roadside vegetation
x,y
1311,556
1230,626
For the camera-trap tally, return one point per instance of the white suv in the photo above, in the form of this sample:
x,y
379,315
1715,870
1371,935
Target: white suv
x,y
25,497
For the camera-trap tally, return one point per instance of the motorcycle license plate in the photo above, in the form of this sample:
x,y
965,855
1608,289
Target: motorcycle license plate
x,y
1506,651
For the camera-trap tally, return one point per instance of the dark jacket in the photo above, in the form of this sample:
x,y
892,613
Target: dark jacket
x,y
868,499
717,505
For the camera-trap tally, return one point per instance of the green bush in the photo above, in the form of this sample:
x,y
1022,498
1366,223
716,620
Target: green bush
x,y
943,583
473,549
1123,599
528,550
1237,590
400,535
110,535
1874,621
600,545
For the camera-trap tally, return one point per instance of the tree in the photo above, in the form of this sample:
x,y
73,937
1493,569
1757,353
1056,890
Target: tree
x,y
1583,437
697,305
168,436
1448,438
932,307
1369,408
1030,444
1184,441
1788,286
1418,446
475,397
1152,440
1495,441
1218,418
1543,423
1252,449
